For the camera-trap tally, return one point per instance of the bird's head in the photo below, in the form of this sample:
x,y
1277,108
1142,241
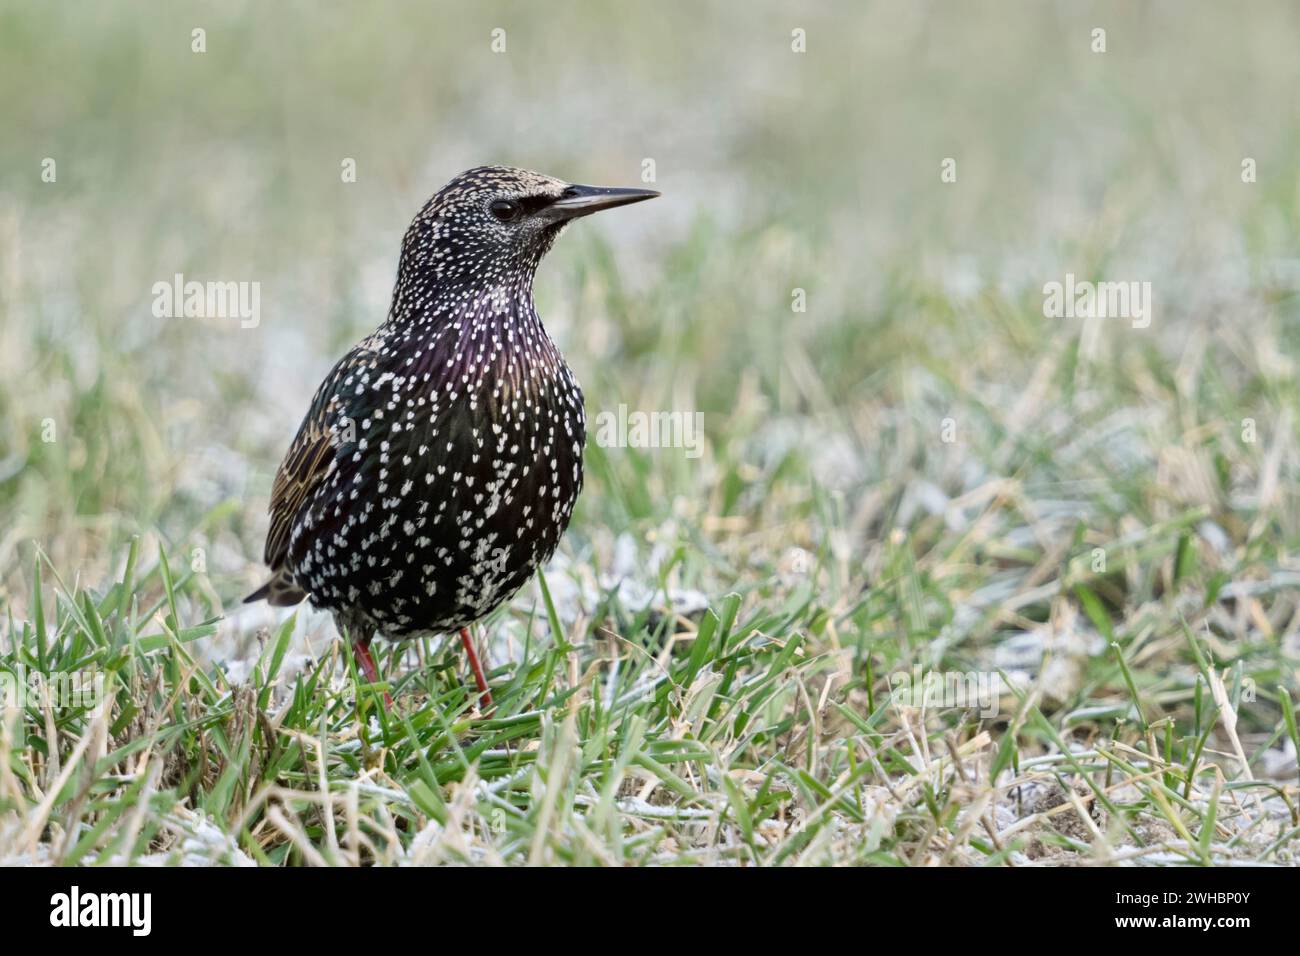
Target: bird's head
x,y
492,224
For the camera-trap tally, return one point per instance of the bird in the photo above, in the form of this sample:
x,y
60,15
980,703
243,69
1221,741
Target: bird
x,y
440,460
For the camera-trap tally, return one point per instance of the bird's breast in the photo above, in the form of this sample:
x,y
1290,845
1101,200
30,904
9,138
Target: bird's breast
x,y
462,476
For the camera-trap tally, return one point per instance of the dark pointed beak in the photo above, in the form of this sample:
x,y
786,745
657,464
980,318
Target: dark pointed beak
x,y
579,201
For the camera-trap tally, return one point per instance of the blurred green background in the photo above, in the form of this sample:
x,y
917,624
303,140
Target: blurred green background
x,y
780,170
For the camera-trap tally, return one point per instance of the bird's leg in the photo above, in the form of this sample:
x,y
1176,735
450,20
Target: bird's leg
x,y
361,651
485,700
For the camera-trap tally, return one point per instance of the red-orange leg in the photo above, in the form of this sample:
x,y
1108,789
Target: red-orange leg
x,y
485,700
361,651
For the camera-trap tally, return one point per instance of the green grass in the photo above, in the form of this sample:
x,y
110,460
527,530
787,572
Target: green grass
x,y
1113,527
758,734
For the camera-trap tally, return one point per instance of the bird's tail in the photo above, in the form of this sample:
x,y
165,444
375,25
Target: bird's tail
x,y
280,591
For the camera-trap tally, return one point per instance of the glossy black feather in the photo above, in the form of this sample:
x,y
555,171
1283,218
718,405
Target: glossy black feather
x,y
440,460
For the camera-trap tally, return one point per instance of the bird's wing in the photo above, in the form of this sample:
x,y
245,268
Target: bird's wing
x,y
311,456
304,467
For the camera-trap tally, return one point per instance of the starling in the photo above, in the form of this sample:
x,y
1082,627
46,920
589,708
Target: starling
x,y
441,458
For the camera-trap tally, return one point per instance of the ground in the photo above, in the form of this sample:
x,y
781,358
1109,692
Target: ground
x,y
1077,533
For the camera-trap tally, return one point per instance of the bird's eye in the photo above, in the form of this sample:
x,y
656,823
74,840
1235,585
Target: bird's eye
x,y
506,210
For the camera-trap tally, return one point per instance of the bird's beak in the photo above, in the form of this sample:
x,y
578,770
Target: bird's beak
x,y
578,201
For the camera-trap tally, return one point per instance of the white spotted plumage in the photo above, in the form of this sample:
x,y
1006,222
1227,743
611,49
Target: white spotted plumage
x,y
447,446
